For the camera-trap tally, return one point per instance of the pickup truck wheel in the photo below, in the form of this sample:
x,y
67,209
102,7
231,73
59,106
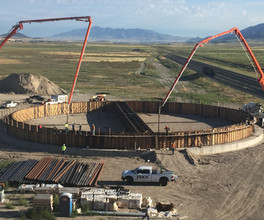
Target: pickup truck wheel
x,y
128,179
163,181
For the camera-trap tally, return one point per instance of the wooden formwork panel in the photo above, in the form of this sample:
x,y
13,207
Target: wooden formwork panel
x,y
78,107
136,106
178,108
52,110
172,107
153,107
222,113
29,113
18,116
39,112
17,127
191,109
210,111
23,115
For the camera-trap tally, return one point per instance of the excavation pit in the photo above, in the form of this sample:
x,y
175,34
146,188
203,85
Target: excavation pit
x,y
130,125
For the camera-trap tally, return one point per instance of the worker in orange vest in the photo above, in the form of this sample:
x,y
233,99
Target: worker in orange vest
x,y
173,147
93,129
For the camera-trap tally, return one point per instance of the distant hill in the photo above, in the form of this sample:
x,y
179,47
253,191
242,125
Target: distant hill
x,y
194,40
252,33
120,35
17,35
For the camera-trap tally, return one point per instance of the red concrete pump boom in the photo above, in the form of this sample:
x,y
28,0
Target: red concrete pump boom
x,y
203,42
19,26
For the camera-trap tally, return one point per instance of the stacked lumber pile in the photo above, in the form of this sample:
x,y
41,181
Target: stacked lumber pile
x,y
43,201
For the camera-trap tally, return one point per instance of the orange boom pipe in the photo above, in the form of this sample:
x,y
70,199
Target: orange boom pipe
x,y
202,43
19,26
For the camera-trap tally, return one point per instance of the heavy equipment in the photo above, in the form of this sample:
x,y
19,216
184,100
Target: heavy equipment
x,y
253,108
244,45
19,26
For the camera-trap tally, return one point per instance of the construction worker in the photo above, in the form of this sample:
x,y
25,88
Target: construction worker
x,y
93,129
80,128
147,212
173,147
167,129
66,127
63,149
55,129
73,128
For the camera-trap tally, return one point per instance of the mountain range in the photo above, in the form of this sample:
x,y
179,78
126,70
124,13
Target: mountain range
x,y
253,33
121,35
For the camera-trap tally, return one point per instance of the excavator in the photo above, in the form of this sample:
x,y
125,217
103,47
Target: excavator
x,y
244,45
19,26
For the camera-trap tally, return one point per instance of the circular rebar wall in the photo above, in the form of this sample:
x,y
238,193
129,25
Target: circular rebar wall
x,y
139,135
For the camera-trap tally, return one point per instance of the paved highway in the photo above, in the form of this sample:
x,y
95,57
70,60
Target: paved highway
x,y
226,77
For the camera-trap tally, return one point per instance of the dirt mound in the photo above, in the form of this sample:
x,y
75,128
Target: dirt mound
x,y
27,83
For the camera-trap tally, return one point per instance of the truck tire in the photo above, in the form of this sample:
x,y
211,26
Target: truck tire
x,y
128,179
163,181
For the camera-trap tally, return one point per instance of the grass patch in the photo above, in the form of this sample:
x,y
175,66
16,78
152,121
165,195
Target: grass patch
x,y
6,187
111,68
34,214
9,61
22,202
227,56
10,205
169,63
4,163
56,201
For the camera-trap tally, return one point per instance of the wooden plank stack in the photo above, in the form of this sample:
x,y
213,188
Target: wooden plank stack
x,y
43,201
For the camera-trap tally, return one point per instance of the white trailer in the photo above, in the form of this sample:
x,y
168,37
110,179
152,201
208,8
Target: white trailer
x,y
57,99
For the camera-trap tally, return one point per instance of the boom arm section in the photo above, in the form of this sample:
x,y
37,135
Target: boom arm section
x,y
19,26
202,43
11,33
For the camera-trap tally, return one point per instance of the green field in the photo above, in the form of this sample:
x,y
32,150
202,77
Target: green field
x,y
227,56
112,68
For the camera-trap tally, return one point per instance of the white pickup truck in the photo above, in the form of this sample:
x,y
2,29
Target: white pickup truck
x,y
147,174
10,104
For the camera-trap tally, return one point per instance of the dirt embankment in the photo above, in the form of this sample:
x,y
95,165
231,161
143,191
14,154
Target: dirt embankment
x,y
29,84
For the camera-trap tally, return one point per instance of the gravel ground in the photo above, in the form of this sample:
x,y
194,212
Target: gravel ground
x,y
220,187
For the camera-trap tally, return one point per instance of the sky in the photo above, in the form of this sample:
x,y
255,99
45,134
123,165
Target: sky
x,y
185,18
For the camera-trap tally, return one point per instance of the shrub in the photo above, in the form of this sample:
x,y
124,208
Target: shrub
x,y
6,187
22,202
56,202
9,205
36,214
